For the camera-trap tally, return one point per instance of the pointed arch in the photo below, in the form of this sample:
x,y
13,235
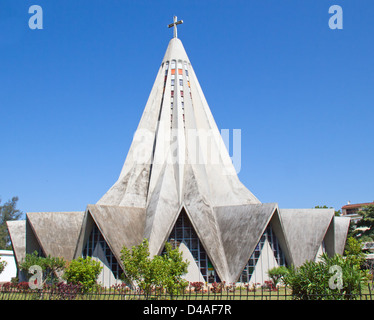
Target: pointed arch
x,y
267,254
183,232
97,248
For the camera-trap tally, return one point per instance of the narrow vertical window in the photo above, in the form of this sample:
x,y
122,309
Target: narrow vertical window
x,y
172,67
166,67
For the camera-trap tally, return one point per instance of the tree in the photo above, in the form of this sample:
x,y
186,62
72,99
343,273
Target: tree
x,y
154,273
337,213
353,251
8,212
276,274
174,267
367,221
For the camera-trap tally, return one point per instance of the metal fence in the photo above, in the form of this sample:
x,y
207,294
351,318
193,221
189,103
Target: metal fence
x,y
16,292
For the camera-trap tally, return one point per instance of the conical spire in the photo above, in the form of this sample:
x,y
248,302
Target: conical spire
x,y
177,127
175,51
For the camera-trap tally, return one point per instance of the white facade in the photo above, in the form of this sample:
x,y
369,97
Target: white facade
x,y
10,270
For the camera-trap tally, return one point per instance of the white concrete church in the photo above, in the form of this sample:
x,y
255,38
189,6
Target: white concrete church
x,y
178,183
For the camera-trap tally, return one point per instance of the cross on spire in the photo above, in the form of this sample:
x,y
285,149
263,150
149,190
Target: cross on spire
x,y
174,24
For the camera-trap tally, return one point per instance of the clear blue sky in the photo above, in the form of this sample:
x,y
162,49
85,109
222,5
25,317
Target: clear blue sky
x,y
72,94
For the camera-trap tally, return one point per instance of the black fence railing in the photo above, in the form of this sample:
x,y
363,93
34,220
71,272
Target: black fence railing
x,y
17,292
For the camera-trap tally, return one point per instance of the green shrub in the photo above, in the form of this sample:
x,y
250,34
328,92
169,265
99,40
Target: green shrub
x,y
84,271
51,266
318,280
2,265
157,273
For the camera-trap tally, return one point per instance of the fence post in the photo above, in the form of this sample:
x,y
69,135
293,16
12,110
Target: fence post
x,y
369,291
277,292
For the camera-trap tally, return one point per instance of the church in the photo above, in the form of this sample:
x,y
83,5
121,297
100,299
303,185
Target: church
x,y
178,184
